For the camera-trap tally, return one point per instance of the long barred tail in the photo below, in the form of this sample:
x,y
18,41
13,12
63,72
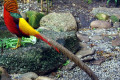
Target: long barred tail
x,y
42,38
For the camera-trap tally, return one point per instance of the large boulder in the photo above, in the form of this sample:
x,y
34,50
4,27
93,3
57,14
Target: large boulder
x,y
39,58
59,22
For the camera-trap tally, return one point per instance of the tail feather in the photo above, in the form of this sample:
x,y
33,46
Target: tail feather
x,y
42,38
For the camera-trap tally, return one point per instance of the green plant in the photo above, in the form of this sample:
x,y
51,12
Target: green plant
x,y
34,18
89,1
109,1
11,42
114,19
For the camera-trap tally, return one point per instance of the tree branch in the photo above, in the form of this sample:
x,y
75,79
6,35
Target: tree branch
x,y
72,57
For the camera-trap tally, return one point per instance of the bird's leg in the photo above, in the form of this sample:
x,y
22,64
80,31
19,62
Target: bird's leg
x,y
18,43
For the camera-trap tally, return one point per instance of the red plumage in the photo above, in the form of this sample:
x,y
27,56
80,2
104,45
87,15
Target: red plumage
x,y
10,24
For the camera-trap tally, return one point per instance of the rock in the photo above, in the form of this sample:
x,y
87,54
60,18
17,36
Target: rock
x,y
100,24
43,78
82,37
116,24
116,42
101,16
88,59
40,57
96,38
83,45
70,66
25,78
34,18
59,22
83,53
99,61
107,38
3,74
30,75
108,11
117,15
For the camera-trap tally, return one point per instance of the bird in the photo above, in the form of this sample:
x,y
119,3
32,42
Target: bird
x,y
18,25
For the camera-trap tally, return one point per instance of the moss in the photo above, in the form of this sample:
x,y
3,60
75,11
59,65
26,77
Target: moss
x,y
102,16
40,57
5,34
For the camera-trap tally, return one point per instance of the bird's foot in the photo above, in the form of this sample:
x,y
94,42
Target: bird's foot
x,y
18,44
16,47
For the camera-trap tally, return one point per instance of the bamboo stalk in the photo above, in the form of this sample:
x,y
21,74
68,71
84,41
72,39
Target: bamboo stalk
x,y
42,5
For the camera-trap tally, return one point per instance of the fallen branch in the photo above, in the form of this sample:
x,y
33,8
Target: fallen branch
x,y
73,58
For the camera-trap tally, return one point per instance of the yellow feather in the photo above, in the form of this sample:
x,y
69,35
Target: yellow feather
x,y
26,28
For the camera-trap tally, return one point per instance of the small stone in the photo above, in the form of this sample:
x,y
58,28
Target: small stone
x,y
96,38
83,45
43,78
117,15
102,16
82,37
100,24
24,78
83,53
3,74
99,31
106,38
99,61
116,24
73,4
88,59
30,75
116,42
69,66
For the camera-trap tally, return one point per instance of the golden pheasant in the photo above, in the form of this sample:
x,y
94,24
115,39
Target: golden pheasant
x,y
18,25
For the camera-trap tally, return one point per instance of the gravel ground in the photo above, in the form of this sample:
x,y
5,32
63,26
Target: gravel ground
x,y
108,70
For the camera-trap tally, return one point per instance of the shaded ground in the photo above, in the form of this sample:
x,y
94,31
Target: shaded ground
x,y
80,9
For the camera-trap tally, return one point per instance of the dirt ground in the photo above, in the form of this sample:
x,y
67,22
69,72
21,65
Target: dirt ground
x,y
80,9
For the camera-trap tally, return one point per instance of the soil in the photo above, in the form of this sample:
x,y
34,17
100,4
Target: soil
x,y
80,9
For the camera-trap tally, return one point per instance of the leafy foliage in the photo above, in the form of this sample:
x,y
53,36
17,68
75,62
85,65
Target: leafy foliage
x,y
11,42
34,18
89,1
110,0
114,19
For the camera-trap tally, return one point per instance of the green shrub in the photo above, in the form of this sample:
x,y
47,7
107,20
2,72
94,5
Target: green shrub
x,y
34,18
89,1
114,19
109,1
